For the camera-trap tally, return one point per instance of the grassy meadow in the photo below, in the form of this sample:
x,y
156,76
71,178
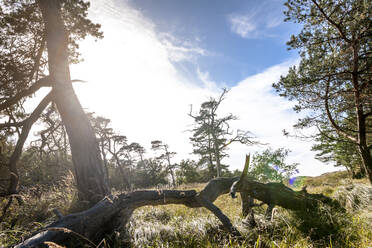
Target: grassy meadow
x,y
179,226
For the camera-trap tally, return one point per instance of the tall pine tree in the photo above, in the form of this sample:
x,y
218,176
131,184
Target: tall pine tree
x,y
333,79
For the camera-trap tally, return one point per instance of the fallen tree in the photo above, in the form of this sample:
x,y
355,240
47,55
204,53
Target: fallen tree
x,y
279,194
114,212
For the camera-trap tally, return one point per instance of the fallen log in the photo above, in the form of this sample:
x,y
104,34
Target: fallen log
x,y
280,195
114,212
103,217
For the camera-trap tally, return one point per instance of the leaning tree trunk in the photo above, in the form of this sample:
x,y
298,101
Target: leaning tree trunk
x,y
90,175
366,156
247,209
280,195
103,218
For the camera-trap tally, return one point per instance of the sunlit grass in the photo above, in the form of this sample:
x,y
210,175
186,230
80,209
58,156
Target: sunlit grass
x,y
180,226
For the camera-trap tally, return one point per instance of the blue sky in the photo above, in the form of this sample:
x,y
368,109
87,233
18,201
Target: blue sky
x,y
239,38
159,57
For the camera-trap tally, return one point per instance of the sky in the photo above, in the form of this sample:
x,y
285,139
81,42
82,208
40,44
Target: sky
x,y
157,58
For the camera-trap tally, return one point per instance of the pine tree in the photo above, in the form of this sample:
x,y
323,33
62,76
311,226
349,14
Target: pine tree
x,y
333,79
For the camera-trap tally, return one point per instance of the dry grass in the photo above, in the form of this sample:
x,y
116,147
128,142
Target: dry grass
x,y
179,226
36,211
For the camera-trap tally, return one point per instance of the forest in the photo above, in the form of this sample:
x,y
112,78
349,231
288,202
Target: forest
x,y
68,178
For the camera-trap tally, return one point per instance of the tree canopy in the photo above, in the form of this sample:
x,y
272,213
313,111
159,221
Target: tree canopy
x,y
270,166
38,41
333,78
212,135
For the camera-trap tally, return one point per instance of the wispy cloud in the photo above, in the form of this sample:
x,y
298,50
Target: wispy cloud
x,y
207,81
242,25
274,22
180,50
133,81
257,22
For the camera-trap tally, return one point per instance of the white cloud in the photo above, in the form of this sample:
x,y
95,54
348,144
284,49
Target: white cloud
x,y
266,115
242,25
274,22
133,82
258,22
208,83
179,50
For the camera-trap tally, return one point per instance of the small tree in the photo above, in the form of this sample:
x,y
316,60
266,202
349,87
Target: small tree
x,y
150,172
104,133
118,154
188,172
212,135
166,156
270,166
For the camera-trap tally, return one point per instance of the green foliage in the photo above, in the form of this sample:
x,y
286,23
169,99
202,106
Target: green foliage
x,y
149,173
179,226
23,53
332,81
188,172
46,171
36,209
270,166
165,157
338,152
211,136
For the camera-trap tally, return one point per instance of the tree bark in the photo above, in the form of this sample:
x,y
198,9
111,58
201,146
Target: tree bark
x,y
364,152
269,212
247,209
279,194
217,155
366,156
90,176
103,217
27,125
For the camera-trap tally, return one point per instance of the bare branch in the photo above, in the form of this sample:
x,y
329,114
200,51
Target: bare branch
x,y
11,124
38,58
338,129
43,82
333,138
19,146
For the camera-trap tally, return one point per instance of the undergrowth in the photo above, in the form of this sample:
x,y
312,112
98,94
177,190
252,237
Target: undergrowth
x,y
179,226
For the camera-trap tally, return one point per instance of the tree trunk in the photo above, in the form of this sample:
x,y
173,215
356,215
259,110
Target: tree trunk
x,y
16,155
173,178
90,175
105,163
218,163
269,212
217,155
170,168
103,218
247,209
364,152
366,161
125,177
